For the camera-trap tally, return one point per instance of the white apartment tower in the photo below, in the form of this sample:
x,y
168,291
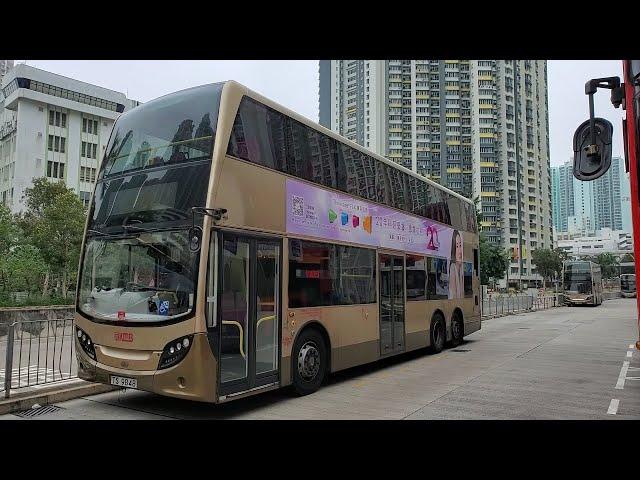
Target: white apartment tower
x,y
480,127
55,127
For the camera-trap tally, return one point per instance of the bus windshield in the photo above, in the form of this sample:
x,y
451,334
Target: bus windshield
x,y
173,129
148,277
628,282
577,278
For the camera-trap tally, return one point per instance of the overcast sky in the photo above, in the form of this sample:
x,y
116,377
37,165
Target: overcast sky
x,y
294,84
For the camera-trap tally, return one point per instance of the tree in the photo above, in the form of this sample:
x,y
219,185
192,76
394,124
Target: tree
x,y
9,237
26,269
547,262
608,264
53,223
494,261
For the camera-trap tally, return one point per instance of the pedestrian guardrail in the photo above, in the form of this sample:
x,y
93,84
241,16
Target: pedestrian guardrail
x,y
36,352
508,304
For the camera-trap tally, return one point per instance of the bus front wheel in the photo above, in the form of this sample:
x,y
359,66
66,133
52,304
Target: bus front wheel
x,y
309,362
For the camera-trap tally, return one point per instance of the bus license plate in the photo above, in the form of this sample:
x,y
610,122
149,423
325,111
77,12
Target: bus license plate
x,y
124,382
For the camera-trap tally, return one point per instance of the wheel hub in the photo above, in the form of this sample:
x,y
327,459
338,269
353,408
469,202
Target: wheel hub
x,y
438,334
308,361
456,329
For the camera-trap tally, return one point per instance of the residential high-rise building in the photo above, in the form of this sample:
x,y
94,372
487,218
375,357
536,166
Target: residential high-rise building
x,y
479,127
608,196
415,112
562,193
584,207
55,127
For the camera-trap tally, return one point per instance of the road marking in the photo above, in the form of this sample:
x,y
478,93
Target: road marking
x,y
622,376
613,406
629,354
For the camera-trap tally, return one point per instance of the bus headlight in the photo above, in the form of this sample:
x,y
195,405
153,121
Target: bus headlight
x,y
85,342
174,352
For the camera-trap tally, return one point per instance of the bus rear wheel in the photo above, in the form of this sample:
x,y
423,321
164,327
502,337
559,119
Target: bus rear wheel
x,y
309,362
457,330
438,333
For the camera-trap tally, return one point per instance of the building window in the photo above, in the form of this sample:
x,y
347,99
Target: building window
x,y
57,144
89,150
87,174
55,169
57,119
90,126
86,198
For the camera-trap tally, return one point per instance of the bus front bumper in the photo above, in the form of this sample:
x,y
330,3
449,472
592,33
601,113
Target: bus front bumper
x,y
194,378
578,301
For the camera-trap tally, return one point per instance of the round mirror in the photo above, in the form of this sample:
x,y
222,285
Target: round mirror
x,y
195,238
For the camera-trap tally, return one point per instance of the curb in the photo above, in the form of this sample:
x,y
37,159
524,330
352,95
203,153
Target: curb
x,y
53,395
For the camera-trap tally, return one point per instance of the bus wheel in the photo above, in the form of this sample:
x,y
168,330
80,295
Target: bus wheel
x,y
457,331
309,362
438,333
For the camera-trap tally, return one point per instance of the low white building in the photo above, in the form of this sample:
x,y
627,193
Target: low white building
x,y
601,241
55,127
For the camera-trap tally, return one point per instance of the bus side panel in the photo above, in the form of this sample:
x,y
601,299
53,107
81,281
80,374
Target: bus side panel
x,y
254,197
353,332
418,314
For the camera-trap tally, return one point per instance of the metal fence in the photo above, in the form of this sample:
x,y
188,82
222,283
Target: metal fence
x,y
36,352
503,305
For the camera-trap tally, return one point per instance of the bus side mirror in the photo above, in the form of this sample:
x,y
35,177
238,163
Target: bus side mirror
x,y
195,239
592,160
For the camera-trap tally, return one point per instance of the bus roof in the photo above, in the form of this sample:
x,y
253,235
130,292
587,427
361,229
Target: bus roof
x,y
310,123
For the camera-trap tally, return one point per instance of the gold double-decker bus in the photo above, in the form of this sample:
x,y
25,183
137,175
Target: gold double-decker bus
x,y
234,247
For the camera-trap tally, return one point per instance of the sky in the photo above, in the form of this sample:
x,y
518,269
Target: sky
x,y
294,84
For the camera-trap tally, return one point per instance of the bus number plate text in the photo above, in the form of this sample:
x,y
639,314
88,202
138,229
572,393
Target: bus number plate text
x,y
124,382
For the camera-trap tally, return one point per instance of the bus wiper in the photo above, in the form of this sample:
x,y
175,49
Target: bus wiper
x,y
136,228
102,234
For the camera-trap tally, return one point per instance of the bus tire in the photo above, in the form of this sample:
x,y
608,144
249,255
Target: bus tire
x,y
437,333
457,329
309,361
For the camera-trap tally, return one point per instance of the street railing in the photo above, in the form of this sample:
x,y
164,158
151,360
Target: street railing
x,y
507,304
36,352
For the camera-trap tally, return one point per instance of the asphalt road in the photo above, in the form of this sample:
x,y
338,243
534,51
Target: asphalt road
x,y
562,363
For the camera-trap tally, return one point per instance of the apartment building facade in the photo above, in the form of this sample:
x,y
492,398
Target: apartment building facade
x,y
480,127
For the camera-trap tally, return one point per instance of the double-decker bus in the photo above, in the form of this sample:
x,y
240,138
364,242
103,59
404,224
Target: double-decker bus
x,y
581,283
234,247
592,143
628,285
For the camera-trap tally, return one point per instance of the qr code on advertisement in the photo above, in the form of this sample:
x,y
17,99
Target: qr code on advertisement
x,y
297,206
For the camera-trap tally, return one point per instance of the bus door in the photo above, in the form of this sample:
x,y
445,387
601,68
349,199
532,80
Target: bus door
x,y
248,312
392,298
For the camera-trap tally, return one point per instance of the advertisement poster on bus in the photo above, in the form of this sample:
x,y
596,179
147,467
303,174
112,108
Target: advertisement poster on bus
x,y
329,215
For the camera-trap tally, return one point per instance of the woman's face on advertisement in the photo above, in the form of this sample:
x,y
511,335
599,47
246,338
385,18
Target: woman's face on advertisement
x,y
458,248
